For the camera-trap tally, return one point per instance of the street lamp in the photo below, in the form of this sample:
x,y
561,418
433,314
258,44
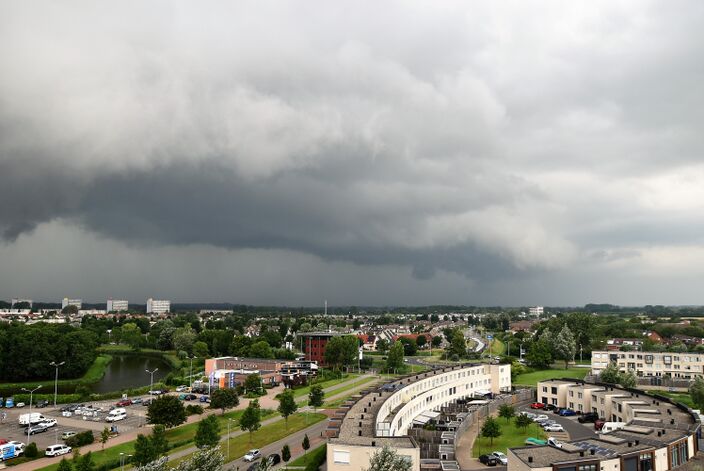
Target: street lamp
x,y
122,461
190,378
228,438
151,380
29,422
56,378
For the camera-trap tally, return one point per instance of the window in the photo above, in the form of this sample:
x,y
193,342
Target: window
x,y
553,390
545,389
341,457
587,467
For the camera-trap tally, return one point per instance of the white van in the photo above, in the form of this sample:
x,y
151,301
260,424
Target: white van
x,y
9,451
57,450
611,426
31,419
116,414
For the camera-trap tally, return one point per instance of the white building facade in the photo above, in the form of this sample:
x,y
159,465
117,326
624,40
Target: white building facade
x,y
71,302
158,306
117,305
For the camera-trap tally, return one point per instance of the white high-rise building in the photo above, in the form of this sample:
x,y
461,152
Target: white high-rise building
x,y
71,302
536,311
116,305
158,306
19,300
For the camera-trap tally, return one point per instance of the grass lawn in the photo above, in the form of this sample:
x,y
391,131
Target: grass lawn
x,y
240,444
511,436
176,436
354,385
530,379
92,375
684,398
325,384
497,347
302,461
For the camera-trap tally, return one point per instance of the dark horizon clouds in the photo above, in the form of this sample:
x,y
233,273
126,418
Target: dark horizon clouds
x,y
395,153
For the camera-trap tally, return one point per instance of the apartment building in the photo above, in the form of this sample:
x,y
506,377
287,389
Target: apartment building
x,y
657,435
117,305
158,306
71,302
686,365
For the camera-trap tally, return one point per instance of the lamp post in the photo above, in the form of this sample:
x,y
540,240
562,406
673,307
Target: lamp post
x,y
29,422
190,377
122,461
56,378
151,380
228,438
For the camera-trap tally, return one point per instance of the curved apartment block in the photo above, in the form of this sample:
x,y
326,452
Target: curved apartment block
x,y
656,435
383,416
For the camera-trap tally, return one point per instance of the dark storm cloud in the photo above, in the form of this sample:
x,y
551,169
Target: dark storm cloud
x,y
484,139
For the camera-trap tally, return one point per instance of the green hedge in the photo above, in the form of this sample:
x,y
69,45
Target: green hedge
x,y
317,458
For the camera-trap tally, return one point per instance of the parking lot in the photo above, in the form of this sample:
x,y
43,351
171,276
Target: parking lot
x,y
87,418
573,429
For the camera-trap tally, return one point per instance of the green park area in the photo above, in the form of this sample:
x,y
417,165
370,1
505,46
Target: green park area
x,y
511,436
530,379
316,455
302,391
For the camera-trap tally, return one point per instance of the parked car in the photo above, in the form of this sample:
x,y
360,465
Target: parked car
x,y
43,403
124,403
503,459
19,447
68,434
535,441
540,417
3,441
253,455
567,412
191,397
599,424
273,459
39,428
551,407
48,423
57,450
20,404
554,428
182,396
204,399
588,417
147,403
137,400
489,460
537,405
182,388
554,442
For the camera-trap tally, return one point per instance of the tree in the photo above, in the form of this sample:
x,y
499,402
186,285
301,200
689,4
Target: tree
x,y
160,444
143,450
628,379
286,453
183,338
387,459
316,396
394,359
507,411
200,349
157,465
287,405
64,465
253,383
696,391
71,309
261,349
421,341
104,437
31,451
208,432
305,445
167,411
539,354
382,345
342,350
131,335
565,346
224,399
210,459
86,463
610,374
251,418
410,347
523,421
458,344
491,429
436,342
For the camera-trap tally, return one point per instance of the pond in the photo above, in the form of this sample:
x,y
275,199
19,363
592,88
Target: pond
x,y
128,371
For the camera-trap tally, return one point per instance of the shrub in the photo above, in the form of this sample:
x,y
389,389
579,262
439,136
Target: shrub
x,y
31,451
81,439
192,409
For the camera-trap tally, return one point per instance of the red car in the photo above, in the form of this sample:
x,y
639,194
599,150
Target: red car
x,y
537,405
124,403
599,424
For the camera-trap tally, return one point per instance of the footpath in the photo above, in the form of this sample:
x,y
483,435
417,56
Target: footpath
x,y
266,402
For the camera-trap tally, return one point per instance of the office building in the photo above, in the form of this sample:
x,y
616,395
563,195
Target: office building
x,y
684,366
117,305
71,302
536,311
314,345
158,306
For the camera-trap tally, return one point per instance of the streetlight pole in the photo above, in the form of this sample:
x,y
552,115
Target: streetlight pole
x,y
56,378
228,438
151,380
29,422
122,461
190,378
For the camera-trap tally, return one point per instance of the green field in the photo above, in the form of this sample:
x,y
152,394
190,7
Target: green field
x,y
511,436
684,398
530,379
497,347
311,456
298,392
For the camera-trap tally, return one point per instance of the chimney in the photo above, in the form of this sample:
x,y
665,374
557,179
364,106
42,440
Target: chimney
x,y
659,433
362,416
581,454
530,459
592,451
630,444
360,424
373,443
637,442
359,433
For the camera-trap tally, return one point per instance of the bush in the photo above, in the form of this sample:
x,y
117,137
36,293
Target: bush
x,y
31,451
81,439
192,409
316,459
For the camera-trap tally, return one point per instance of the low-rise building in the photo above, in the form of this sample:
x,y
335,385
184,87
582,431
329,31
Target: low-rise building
x,y
686,365
657,435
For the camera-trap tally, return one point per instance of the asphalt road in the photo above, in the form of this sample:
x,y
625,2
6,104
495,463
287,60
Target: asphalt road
x,y
575,430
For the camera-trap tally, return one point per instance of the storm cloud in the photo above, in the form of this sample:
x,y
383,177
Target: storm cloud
x,y
500,143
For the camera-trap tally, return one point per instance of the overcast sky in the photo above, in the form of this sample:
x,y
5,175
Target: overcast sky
x,y
368,153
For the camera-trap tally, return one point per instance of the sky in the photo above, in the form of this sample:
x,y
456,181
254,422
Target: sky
x,y
368,153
